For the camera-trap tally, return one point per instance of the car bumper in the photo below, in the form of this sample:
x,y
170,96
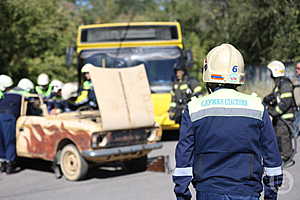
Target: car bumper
x,y
120,150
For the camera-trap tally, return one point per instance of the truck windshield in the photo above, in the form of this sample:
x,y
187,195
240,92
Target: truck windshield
x,y
159,62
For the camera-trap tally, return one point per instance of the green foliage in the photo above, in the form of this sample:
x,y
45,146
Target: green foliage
x,y
53,65
34,34
262,29
34,37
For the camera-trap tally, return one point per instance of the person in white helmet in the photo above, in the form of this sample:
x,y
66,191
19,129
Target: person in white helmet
x,y
10,107
43,88
226,138
56,85
54,103
24,87
282,107
87,94
5,83
69,93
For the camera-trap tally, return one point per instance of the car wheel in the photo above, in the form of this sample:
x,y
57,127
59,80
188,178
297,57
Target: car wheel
x,y
136,165
73,166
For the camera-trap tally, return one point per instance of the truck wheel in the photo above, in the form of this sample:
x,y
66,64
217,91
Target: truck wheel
x,y
73,166
136,165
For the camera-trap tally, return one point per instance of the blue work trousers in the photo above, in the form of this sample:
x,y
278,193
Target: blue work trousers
x,y
7,137
214,196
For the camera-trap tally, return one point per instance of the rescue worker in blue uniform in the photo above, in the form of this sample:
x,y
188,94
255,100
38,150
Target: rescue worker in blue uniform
x,y
24,87
55,104
5,84
183,89
10,107
9,111
226,139
282,107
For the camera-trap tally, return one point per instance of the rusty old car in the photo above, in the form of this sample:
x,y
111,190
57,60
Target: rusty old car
x,y
122,129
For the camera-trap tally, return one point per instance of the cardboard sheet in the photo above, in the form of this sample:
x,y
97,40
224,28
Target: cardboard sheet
x,y
123,96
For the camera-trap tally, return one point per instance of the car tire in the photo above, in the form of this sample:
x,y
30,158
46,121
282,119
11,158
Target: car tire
x,y
136,165
73,166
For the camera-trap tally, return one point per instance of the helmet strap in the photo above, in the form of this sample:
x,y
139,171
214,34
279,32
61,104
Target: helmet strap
x,y
212,87
208,88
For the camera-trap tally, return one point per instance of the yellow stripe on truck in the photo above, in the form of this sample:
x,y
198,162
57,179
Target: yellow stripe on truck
x,y
161,103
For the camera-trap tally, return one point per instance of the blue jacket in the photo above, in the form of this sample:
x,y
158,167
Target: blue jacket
x,y
11,104
226,143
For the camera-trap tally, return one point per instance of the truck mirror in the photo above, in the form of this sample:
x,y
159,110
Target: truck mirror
x,y
188,56
69,55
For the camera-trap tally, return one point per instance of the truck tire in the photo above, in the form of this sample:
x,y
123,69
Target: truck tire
x,y
136,165
73,166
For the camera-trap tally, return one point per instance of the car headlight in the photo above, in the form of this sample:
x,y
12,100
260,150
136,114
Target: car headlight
x,y
155,134
98,140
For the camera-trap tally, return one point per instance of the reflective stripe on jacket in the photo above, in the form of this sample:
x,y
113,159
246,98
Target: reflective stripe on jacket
x,y
44,93
84,93
223,139
283,96
181,93
19,91
87,85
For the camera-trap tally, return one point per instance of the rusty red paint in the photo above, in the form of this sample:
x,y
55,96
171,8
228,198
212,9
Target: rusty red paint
x,y
46,149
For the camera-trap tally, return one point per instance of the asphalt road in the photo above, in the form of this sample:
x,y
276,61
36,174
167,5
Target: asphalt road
x,y
37,182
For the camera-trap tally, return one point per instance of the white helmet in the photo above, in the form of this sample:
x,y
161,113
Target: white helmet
x,y
277,68
69,90
43,79
5,82
25,84
224,64
57,85
86,68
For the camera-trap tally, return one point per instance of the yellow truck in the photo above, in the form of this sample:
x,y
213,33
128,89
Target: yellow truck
x,y
123,129
157,45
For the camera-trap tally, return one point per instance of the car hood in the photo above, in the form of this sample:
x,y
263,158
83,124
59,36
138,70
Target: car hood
x,y
123,96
